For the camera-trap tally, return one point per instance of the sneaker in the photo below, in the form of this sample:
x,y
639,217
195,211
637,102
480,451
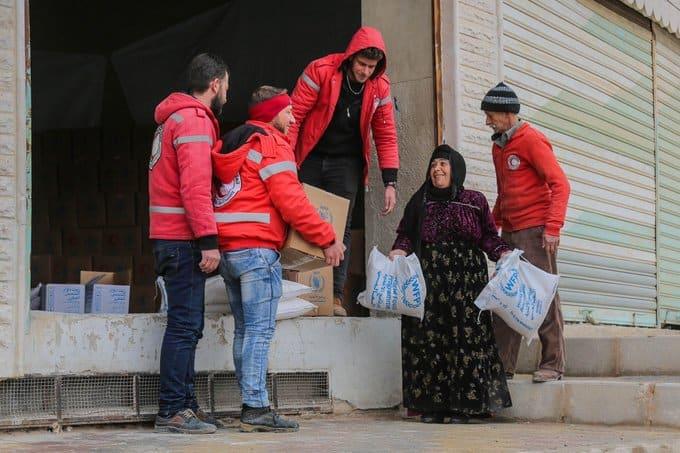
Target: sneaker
x,y
183,422
207,418
541,376
338,309
265,420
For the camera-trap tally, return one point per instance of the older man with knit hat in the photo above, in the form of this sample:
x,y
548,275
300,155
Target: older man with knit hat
x,y
533,192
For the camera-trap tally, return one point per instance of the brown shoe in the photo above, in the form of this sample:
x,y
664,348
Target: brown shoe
x,y
541,376
338,309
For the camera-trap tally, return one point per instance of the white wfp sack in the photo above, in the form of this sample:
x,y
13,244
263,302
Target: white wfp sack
x,y
216,300
520,293
394,286
293,308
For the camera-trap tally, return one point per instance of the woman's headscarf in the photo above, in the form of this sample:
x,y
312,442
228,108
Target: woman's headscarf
x,y
415,208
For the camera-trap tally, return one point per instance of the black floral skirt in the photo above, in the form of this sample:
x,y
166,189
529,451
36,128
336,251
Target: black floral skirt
x,y
450,360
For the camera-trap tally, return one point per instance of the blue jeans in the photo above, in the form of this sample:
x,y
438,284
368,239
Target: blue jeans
x,y
253,281
177,263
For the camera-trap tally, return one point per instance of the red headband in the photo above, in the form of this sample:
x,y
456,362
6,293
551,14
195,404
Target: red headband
x,y
265,111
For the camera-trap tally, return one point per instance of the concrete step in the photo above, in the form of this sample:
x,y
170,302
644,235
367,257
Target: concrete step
x,y
608,351
634,400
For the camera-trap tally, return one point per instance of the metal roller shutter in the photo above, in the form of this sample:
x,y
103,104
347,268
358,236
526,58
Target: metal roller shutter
x,y
583,73
667,84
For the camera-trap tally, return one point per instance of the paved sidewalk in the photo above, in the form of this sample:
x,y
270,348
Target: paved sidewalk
x,y
379,431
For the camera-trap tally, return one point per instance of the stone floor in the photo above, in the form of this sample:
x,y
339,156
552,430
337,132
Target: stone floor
x,y
376,431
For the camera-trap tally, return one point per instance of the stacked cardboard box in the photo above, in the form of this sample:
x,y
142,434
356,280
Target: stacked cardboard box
x,y
90,209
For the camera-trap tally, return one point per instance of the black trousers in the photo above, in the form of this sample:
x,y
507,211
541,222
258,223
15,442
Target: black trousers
x,y
342,176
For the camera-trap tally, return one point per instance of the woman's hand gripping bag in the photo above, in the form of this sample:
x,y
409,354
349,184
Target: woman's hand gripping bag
x,y
520,293
394,286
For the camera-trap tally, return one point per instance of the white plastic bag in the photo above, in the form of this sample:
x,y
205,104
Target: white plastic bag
x,y
394,286
292,308
520,293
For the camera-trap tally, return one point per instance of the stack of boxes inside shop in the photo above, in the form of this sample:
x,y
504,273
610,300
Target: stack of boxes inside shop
x,y
90,213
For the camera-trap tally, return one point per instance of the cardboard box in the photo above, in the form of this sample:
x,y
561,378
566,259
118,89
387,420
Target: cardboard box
x,y
48,243
91,209
299,254
121,209
110,294
122,241
321,281
357,257
145,270
80,242
144,299
63,298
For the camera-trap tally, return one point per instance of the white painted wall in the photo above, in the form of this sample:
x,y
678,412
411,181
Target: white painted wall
x,y
362,355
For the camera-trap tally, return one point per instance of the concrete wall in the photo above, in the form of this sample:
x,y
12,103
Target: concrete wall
x,y
362,355
471,65
13,205
406,26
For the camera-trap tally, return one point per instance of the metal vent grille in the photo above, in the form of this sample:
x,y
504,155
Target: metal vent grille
x,y
303,391
97,396
30,399
42,401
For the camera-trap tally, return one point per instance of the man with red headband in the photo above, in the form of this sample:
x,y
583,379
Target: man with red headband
x,y
259,195
338,100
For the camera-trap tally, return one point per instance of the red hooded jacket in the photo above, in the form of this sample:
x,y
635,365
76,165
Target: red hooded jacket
x,y
316,95
180,172
259,193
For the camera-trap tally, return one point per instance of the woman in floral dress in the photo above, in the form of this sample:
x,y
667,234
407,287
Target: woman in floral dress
x,y
451,367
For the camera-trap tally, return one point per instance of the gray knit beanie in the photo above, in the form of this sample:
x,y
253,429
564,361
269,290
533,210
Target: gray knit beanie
x,y
501,98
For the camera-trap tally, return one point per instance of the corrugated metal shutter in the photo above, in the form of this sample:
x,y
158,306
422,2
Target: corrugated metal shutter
x,y
583,73
667,80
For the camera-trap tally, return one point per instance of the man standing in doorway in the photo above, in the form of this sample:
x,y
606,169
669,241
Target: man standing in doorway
x,y
184,233
533,192
259,197
338,100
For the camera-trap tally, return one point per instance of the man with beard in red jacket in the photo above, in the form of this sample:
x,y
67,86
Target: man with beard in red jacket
x,y
182,226
259,195
338,101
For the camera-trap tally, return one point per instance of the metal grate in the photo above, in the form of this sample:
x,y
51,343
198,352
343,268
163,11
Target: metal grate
x,y
27,399
97,396
304,390
148,393
42,401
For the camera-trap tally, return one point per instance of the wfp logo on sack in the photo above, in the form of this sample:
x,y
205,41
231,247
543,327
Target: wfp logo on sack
x,y
527,303
412,293
511,286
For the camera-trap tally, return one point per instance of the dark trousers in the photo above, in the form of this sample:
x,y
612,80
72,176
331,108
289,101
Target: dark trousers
x,y
340,176
551,332
177,263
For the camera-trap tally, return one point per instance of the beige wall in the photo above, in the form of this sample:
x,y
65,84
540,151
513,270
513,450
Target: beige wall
x,y
406,26
13,205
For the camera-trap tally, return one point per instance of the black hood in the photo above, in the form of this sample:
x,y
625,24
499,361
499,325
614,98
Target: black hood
x,y
236,137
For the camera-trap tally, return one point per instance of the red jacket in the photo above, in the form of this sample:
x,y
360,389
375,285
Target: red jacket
x,y
532,188
262,194
316,95
180,171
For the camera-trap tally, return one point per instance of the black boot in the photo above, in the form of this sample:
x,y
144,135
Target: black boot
x,y
458,418
432,417
256,419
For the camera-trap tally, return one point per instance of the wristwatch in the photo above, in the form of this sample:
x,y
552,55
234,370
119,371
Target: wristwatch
x,y
391,183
